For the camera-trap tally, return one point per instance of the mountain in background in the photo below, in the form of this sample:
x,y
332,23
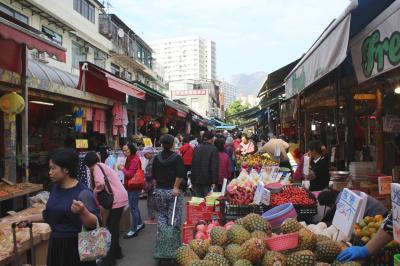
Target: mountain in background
x,y
248,84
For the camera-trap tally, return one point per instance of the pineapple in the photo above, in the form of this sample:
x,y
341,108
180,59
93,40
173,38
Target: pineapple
x,y
243,263
202,263
185,256
307,240
322,238
290,225
327,251
273,258
259,234
199,246
237,234
218,236
239,221
252,250
231,252
253,222
347,263
217,259
303,258
216,249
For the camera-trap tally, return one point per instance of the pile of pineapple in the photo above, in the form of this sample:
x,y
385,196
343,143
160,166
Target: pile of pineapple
x,y
244,245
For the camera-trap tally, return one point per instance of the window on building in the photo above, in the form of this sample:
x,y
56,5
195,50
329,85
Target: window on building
x,y
12,13
100,58
77,54
115,69
52,35
85,8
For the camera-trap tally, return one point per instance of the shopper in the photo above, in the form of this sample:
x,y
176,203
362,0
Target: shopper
x,y
205,166
71,205
225,165
149,185
168,170
98,171
130,168
246,146
186,151
319,175
237,141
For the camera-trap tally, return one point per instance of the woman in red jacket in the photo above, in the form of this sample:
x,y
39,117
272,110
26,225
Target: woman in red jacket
x,y
132,164
225,169
186,152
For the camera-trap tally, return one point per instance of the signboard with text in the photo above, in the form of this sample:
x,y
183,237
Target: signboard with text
x,y
81,144
347,210
384,183
191,92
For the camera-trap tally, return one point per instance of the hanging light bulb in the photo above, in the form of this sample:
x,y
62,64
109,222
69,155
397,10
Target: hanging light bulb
x,y
397,90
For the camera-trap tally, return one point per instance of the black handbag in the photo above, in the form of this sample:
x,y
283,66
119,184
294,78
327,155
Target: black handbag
x,y
104,197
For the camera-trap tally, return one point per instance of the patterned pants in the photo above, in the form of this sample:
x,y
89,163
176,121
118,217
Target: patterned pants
x,y
165,206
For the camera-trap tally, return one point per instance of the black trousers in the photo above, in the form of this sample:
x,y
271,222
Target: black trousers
x,y
113,222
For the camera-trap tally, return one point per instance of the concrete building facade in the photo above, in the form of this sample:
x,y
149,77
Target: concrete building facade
x,y
230,92
186,58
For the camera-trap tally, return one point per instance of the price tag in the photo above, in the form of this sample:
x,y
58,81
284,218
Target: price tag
x,y
384,183
347,210
224,186
266,197
306,166
81,144
363,206
258,193
395,188
147,142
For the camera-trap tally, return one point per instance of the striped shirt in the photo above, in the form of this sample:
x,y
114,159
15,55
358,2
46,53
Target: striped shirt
x,y
387,224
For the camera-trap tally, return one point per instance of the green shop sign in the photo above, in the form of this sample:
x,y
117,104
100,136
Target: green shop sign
x,y
374,51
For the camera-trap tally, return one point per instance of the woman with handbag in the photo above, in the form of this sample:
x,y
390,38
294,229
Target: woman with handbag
x,y
131,168
111,195
70,207
168,169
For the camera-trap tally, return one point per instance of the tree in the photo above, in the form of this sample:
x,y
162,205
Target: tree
x,y
234,108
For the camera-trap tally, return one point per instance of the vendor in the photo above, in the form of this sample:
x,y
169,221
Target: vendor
x,y
275,144
376,244
330,197
319,167
246,146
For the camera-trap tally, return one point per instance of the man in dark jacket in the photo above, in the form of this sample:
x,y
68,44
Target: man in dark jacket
x,y
205,166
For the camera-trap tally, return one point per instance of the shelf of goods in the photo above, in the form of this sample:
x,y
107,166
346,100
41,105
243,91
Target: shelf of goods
x,y
41,234
251,240
21,189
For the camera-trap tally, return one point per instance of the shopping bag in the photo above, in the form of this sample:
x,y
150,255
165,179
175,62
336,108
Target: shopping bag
x,y
94,244
105,197
168,240
137,181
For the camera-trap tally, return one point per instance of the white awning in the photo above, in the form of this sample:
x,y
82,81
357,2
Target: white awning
x,y
376,49
325,55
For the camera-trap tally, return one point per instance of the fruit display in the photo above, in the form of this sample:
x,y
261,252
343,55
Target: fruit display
x,y
255,161
293,194
244,243
367,227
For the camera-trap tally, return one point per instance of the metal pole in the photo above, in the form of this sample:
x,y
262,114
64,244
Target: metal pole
x,y
25,114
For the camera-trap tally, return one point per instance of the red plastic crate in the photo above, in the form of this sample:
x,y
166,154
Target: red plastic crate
x,y
194,214
187,232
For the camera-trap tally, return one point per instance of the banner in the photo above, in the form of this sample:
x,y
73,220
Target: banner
x,y
376,49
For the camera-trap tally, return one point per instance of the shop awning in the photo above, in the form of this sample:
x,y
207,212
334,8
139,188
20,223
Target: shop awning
x,y
13,35
180,110
382,33
330,49
149,90
99,81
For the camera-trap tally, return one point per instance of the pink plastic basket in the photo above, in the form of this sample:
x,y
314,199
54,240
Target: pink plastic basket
x,y
283,242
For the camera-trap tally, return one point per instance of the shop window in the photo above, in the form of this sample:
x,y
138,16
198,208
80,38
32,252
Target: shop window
x,y
78,55
116,70
52,35
12,13
86,9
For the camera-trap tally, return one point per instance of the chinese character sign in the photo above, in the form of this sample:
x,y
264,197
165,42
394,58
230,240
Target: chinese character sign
x,y
347,210
396,210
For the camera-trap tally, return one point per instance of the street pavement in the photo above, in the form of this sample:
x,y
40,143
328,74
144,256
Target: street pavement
x,y
138,251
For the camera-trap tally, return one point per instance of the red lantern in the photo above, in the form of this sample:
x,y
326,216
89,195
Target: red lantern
x,y
140,122
156,124
147,118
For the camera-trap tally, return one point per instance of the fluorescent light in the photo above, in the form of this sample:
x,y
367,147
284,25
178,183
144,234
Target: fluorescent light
x,y
397,90
313,127
333,125
341,107
329,124
42,103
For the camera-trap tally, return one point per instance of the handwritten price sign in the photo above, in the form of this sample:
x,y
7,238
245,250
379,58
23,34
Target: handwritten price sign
x,y
347,210
396,210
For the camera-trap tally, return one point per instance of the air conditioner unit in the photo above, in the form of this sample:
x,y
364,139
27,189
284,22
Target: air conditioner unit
x,y
41,57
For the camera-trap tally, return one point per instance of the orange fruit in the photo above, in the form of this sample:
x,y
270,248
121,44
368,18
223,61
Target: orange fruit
x,y
358,233
378,218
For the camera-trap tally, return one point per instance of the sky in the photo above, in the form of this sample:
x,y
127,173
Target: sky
x,y
251,35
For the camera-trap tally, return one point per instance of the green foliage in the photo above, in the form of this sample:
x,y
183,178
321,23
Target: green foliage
x,y
234,108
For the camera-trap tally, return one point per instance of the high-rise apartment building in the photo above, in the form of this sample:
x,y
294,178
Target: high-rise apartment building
x,y
230,93
186,58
